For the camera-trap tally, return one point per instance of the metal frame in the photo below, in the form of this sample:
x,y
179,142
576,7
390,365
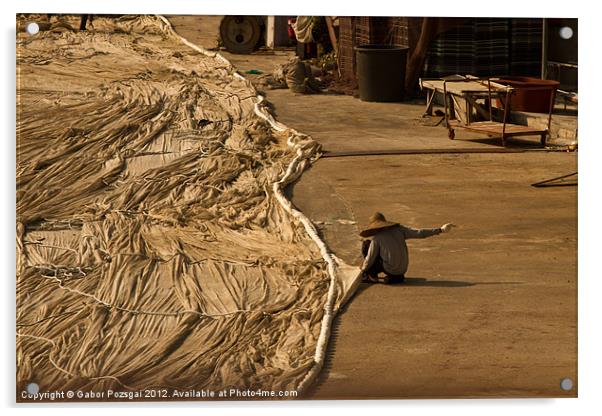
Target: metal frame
x,y
470,97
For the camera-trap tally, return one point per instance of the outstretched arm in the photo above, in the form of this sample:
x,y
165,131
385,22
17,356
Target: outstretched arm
x,y
420,233
425,232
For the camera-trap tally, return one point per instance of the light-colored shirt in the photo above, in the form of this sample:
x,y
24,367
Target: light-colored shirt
x,y
390,245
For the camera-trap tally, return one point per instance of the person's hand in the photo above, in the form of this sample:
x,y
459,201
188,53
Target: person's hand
x,y
447,227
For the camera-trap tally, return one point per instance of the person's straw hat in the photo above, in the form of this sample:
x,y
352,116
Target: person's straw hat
x,y
378,222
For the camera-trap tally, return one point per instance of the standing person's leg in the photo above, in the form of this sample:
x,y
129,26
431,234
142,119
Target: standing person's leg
x,y
83,21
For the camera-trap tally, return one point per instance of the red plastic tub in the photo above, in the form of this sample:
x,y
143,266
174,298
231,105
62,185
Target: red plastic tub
x,y
532,95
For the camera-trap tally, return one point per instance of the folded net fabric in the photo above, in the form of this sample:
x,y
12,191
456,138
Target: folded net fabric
x,y
152,250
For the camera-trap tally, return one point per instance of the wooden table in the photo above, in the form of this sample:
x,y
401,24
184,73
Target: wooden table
x,y
468,103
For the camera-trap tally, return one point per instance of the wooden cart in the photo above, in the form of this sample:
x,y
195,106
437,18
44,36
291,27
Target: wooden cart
x,y
468,103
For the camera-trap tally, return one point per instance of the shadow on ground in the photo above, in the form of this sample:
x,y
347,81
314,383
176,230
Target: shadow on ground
x,y
512,142
422,281
408,282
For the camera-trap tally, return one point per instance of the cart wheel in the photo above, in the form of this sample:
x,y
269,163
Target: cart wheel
x,y
451,134
240,34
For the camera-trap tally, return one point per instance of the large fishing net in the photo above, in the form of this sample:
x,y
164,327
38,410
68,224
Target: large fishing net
x,y
154,245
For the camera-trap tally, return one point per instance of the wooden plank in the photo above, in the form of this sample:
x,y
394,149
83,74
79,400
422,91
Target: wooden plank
x,y
458,111
484,113
430,95
492,127
464,87
331,34
497,128
451,107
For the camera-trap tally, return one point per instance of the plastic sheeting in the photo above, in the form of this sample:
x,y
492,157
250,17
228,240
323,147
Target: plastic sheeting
x,y
155,248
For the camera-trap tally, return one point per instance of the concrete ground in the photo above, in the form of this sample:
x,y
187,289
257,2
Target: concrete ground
x,y
489,310
204,31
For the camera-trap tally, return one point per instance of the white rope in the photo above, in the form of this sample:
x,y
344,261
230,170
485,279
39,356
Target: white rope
x,y
292,173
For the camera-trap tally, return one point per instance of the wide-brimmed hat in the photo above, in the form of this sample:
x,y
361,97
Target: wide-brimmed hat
x,y
378,222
